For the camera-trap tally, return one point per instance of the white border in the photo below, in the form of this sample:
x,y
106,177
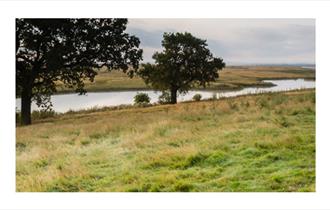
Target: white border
x,y
9,199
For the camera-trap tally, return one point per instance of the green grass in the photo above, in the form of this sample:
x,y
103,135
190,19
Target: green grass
x,y
256,143
231,78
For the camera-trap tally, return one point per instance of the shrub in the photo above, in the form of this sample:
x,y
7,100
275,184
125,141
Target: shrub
x,y
164,98
197,97
141,99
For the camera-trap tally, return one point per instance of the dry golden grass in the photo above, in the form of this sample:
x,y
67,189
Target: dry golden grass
x,y
232,77
250,143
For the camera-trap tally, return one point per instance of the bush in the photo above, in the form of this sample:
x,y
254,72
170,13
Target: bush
x,y
141,99
164,98
197,97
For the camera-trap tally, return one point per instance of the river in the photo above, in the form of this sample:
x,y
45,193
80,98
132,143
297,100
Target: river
x,y
65,102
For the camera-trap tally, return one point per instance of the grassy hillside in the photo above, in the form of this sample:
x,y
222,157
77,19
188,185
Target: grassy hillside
x,y
230,78
249,143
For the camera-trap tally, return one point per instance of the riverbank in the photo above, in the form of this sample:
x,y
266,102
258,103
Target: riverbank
x,y
73,102
231,78
254,143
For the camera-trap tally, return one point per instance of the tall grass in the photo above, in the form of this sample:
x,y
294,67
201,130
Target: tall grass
x,y
37,115
249,143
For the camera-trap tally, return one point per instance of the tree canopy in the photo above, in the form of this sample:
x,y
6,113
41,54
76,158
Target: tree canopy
x,y
68,50
185,62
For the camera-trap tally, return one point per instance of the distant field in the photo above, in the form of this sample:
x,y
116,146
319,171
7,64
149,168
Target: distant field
x,y
249,143
230,78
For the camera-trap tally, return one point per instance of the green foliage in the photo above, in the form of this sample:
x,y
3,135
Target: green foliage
x,y
69,51
141,99
186,62
197,97
234,78
164,98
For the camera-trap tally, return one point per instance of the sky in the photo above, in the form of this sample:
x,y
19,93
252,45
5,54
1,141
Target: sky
x,y
237,41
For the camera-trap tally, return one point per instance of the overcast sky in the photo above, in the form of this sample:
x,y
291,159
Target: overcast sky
x,y
237,41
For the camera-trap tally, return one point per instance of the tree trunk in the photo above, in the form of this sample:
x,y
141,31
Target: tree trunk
x,y
173,95
26,107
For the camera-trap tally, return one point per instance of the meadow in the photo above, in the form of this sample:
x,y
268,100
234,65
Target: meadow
x,y
255,143
231,78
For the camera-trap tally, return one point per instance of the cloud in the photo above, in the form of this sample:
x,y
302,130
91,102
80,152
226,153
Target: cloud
x,y
147,38
148,52
237,40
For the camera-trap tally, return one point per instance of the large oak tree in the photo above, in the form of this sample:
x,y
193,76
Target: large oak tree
x,y
68,50
185,62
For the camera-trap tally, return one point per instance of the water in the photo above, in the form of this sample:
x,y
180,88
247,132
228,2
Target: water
x,y
308,67
66,102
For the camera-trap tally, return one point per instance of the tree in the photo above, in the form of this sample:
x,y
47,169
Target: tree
x,y
185,62
70,51
141,99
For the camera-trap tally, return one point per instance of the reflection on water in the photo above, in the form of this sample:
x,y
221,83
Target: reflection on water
x,y
66,102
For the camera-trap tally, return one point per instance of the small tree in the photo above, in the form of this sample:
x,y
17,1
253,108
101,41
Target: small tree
x,y
68,51
185,62
197,97
141,99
